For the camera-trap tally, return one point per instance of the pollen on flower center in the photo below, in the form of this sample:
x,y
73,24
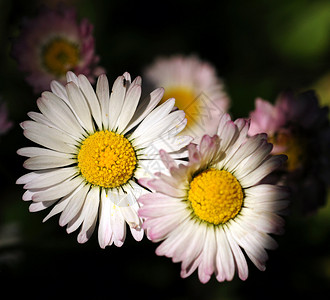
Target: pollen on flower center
x,y
59,56
185,99
107,159
215,196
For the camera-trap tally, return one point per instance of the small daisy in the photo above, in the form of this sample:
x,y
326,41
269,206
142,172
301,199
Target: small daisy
x,y
53,43
197,90
209,211
299,128
94,148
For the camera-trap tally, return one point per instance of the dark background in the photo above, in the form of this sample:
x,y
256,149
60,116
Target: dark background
x,y
259,48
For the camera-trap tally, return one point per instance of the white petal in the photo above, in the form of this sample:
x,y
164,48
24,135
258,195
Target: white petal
x,y
162,209
168,247
224,260
58,191
229,135
145,107
38,206
208,262
103,94
169,145
239,257
47,162
263,220
40,118
70,76
246,239
136,191
147,168
118,225
59,207
224,118
91,98
27,196
60,114
27,178
116,101
48,178
72,209
37,151
250,163
121,199
192,267
192,245
136,81
131,217
153,118
268,166
80,106
90,211
161,227
163,187
128,79
236,154
163,127
137,233
59,90
48,137
131,101
105,231
273,192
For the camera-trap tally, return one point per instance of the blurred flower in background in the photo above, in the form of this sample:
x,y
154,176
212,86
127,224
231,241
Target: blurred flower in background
x,y
208,211
299,128
95,147
53,43
5,124
10,239
196,88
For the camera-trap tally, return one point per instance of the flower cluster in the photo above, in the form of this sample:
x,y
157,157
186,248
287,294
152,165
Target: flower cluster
x,y
170,162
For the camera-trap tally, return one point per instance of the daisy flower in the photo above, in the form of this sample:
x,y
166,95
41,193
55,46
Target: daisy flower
x,y
53,43
212,209
299,128
94,147
197,90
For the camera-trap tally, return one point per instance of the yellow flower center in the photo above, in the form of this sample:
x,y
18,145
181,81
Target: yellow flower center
x,y
107,159
186,100
60,56
215,196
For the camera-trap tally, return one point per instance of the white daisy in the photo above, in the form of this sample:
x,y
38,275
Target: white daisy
x,y
94,148
209,211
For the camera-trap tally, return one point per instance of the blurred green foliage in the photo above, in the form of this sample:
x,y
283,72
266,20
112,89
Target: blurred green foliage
x,y
259,48
302,38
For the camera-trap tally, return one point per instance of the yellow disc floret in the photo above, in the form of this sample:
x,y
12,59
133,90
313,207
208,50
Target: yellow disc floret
x,y
185,99
59,56
215,196
106,159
